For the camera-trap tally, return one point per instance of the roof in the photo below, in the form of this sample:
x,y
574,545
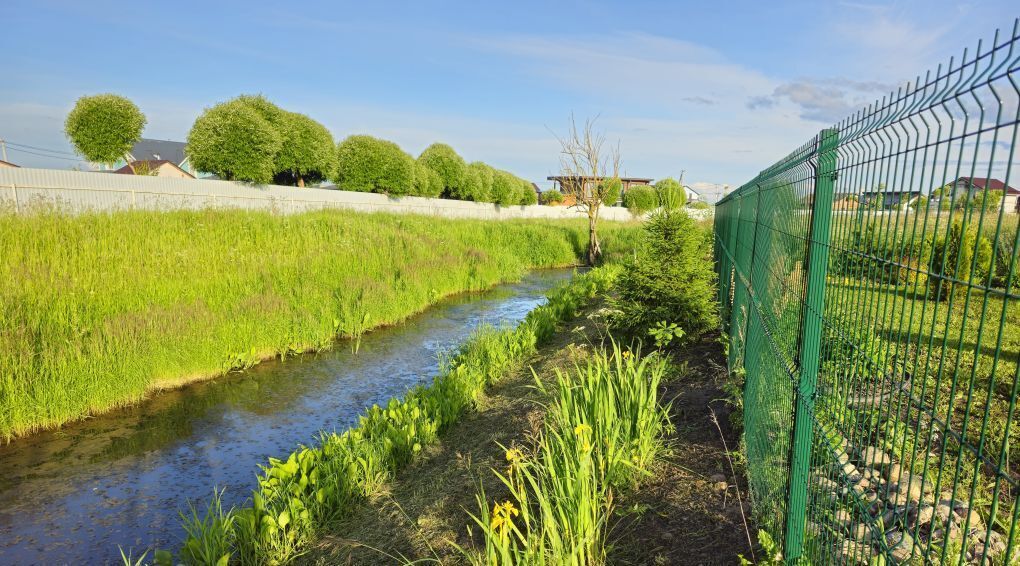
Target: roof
x,y
153,165
149,149
8,163
624,179
992,184
890,192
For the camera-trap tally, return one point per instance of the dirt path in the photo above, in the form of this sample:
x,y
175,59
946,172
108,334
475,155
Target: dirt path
x,y
679,516
683,515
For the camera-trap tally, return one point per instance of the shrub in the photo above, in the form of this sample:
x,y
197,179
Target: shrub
x,y
442,159
966,254
699,205
640,200
308,153
234,141
671,193
612,194
670,280
427,182
551,197
368,164
103,128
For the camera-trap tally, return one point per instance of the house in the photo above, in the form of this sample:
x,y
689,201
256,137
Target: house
x,y
887,198
844,202
568,184
968,186
147,149
692,195
6,164
155,168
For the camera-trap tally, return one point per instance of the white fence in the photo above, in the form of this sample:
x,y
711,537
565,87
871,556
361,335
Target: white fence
x,y
23,189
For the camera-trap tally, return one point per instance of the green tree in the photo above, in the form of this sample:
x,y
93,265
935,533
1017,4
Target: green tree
x,y
308,154
104,127
505,188
427,182
528,196
442,159
552,197
369,164
671,193
477,183
641,200
234,141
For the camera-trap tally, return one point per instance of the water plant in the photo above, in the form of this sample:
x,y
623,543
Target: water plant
x,y
603,429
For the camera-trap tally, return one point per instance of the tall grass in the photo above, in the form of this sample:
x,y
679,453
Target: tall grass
x,y
99,309
298,496
603,429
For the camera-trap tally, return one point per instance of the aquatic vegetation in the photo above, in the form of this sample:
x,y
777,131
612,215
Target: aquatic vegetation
x,y
603,429
297,496
98,310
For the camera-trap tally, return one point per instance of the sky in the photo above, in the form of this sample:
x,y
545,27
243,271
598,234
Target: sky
x,y
714,90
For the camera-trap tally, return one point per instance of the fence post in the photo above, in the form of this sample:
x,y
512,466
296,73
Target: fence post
x,y
810,343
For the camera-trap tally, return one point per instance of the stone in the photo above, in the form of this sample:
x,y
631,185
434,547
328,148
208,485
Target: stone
x,y
874,457
924,515
842,517
853,552
717,478
901,545
893,473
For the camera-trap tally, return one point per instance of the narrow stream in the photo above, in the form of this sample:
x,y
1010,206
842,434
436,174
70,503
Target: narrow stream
x,y
72,495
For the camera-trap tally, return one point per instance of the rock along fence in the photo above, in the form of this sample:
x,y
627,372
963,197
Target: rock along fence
x,y
25,189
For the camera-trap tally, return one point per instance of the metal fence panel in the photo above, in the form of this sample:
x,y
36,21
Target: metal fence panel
x,y
868,284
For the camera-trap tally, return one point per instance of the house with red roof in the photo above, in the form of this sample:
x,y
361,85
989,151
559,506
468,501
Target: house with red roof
x,y
969,186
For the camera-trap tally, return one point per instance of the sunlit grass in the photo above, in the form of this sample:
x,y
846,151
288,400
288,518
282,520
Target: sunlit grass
x,y
98,310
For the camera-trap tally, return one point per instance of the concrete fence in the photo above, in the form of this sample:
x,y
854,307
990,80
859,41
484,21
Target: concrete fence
x,y
73,191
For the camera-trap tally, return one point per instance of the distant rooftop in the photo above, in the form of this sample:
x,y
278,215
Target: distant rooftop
x,y
159,150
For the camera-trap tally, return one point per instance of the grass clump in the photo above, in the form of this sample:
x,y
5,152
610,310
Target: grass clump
x,y
603,429
314,486
100,309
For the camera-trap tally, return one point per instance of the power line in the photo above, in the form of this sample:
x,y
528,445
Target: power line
x,y
37,148
44,155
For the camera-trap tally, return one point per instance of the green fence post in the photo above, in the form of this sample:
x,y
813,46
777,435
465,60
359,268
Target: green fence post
x,y
810,343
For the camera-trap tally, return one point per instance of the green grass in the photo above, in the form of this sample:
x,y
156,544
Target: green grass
x,y
100,309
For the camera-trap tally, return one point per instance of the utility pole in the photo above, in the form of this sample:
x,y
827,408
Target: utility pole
x,y
3,149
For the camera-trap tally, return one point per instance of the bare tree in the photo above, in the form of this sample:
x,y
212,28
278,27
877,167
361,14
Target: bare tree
x,y
590,173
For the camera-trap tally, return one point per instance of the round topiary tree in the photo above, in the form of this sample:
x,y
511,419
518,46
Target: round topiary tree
x,y
527,192
442,159
308,153
671,193
102,128
235,142
641,200
476,184
368,164
427,182
505,189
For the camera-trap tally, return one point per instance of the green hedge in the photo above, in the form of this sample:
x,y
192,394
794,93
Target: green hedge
x,y
640,200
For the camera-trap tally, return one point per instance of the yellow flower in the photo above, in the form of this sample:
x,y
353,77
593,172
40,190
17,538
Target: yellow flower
x,y
626,354
514,455
581,429
501,516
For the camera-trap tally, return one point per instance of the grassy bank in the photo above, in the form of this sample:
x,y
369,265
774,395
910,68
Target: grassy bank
x,y
299,496
98,310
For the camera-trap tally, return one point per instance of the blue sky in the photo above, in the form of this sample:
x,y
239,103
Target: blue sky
x,y
718,89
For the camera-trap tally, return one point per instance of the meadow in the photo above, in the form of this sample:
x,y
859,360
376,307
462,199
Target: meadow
x,y
100,310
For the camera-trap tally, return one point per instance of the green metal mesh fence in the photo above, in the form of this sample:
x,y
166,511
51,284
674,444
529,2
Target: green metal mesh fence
x,y
868,283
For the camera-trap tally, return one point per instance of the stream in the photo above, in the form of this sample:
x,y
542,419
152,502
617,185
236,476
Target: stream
x,y
72,495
